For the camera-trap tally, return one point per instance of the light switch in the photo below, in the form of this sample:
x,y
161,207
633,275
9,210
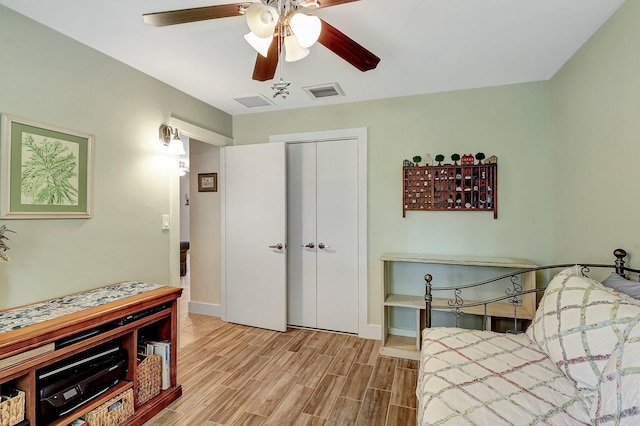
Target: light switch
x,y
165,221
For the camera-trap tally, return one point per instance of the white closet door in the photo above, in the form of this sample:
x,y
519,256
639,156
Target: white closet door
x,y
255,219
301,262
337,230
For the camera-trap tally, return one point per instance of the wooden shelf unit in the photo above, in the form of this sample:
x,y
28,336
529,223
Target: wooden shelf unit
x,y
163,324
413,299
465,187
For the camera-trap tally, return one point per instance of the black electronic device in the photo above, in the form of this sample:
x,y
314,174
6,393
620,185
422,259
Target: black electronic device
x,y
69,340
144,313
70,383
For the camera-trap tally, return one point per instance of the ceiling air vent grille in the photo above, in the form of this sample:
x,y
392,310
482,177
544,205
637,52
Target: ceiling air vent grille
x,y
254,101
324,91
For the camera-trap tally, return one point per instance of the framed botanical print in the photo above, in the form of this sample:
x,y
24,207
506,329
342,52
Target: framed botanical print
x,y
45,171
207,182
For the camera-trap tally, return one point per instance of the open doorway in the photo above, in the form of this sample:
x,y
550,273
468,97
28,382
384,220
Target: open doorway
x,y
199,222
200,228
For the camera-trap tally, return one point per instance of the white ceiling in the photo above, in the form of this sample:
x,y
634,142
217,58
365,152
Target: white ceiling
x,y
425,46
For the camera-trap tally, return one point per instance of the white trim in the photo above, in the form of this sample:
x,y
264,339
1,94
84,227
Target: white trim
x,y
174,224
223,234
370,331
199,133
359,133
365,329
202,308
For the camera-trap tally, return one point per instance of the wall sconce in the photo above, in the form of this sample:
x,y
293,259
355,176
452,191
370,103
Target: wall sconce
x,y
171,139
183,168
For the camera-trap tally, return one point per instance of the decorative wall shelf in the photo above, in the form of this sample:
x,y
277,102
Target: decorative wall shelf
x,y
465,187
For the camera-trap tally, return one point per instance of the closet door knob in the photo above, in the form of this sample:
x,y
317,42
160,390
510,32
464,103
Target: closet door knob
x,y
277,246
309,245
322,246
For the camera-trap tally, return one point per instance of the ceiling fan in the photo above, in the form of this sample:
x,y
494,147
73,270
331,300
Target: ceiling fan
x,y
274,24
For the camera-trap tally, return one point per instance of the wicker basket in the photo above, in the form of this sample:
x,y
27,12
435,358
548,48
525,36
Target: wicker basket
x,y
149,378
113,412
12,410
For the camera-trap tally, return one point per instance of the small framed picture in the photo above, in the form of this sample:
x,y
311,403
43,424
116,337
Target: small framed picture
x,y
207,182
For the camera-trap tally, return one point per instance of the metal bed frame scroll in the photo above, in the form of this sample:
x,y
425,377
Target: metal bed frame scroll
x,y
513,294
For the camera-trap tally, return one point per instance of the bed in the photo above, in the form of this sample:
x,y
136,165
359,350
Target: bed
x,y
578,363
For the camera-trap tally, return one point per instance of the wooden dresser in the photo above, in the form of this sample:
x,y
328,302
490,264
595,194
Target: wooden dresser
x,y
36,336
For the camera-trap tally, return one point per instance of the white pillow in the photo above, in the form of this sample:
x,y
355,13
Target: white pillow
x,y
618,400
579,323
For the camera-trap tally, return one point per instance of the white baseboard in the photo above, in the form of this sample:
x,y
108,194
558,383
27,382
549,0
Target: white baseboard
x,y
371,331
202,308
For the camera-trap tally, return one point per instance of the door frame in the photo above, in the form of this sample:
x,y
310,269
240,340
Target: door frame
x,y
203,135
365,330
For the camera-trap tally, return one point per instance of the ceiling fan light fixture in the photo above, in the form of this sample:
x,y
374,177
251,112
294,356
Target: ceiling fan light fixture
x,y
260,44
293,50
262,19
312,4
307,28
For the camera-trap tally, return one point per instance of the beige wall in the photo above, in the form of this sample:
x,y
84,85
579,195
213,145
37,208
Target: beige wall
x,y
511,122
50,78
205,230
595,150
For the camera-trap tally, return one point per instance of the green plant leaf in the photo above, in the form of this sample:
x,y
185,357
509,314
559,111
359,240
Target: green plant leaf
x,y
47,174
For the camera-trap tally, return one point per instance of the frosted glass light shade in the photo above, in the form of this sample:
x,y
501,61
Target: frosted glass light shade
x,y
259,43
306,28
176,147
293,50
262,19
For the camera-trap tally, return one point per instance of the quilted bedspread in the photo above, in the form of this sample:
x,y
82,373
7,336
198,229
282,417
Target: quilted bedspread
x,y
475,377
577,364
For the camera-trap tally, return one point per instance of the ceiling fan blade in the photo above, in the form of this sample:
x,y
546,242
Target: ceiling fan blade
x,y
343,46
183,16
327,3
265,68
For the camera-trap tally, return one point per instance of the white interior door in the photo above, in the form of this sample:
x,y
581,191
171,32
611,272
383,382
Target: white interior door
x,y
323,235
255,235
301,233
337,232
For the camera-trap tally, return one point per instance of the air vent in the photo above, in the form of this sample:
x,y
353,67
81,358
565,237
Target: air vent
x,y
254,101
324,91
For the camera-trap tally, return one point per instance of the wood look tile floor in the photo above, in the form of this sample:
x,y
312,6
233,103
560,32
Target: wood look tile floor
x,y
238,375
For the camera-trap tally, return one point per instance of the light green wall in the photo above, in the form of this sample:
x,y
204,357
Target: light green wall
x,y
50,78
595,150
511,122
568,153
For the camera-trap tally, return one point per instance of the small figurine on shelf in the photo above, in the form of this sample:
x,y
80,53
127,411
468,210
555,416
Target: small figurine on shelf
x,y
455,158
406,163
439,159
417,159
491,160
427,160
467,159
480,157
